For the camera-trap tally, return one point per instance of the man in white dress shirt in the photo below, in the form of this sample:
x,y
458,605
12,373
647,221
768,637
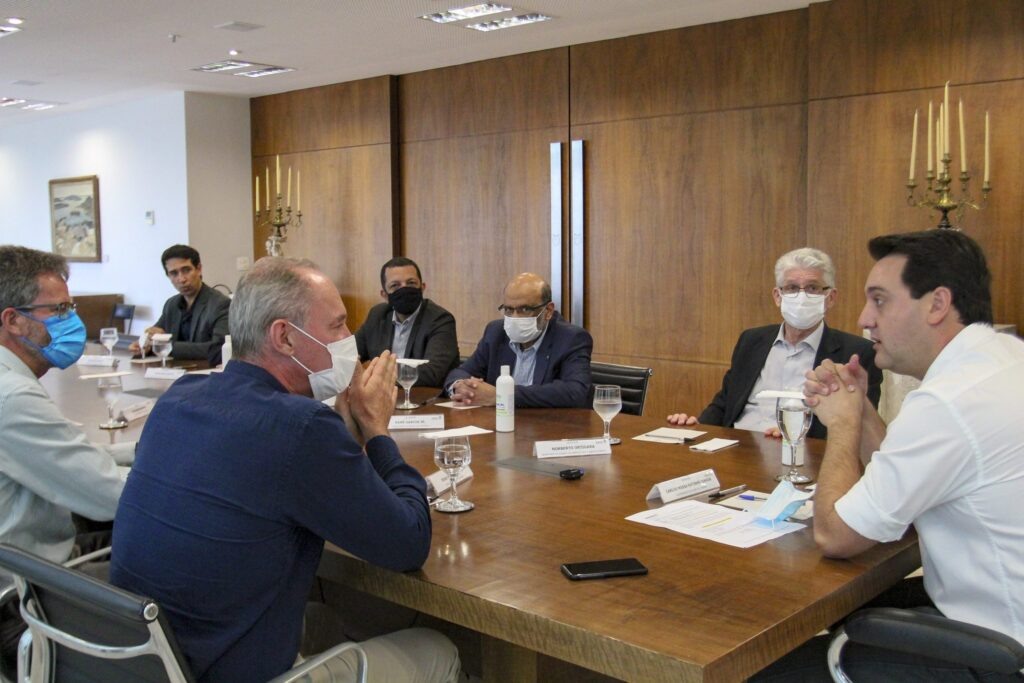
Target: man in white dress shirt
x,y
951,463
48,468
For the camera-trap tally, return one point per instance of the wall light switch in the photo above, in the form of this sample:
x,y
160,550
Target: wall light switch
x,y
242,263
150,217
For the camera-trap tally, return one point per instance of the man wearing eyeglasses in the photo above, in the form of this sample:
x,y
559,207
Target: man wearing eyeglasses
x,y
48,468
550,358
778,356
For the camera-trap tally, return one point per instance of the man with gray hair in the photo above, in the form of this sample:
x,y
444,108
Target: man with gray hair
x,y
242,475
48,468
777,357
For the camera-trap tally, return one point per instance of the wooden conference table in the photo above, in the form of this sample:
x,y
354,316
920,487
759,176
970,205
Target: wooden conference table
x,y
705,612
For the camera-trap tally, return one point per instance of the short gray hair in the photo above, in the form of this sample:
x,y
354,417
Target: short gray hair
x,y
805,257
274,288
20,269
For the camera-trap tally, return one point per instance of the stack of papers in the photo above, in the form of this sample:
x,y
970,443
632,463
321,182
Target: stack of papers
x,y
714,523
670,435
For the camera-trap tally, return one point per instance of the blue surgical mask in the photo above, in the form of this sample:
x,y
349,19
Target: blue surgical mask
x,y
67,340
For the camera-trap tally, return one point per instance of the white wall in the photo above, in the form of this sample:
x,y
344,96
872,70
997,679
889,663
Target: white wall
x,y
219,183
183,156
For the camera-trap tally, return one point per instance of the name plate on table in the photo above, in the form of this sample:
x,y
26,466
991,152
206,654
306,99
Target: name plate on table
x,y
137,410
571,447
164,373
687,486
439,482
98,361
712,445
99,375
435,421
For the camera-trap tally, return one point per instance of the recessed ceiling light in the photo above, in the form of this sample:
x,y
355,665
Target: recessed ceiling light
x,y
15,21
226,65
39,106
8,30
265,71
21,103
509,22
26,83
471,12
10,101
234,53
238,26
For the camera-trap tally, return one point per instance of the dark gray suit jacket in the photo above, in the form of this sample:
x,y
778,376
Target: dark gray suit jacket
x,y
432,337
748,359
209,325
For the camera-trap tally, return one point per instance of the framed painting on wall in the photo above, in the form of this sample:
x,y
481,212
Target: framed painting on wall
x,y
75,218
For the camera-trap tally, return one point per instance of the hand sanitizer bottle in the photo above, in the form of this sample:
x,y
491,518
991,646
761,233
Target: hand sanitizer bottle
x,y
505,401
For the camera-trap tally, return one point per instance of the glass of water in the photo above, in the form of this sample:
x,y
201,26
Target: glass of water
x,y
794,419
407,376
607,404
451,454
162,348
109,389
108,337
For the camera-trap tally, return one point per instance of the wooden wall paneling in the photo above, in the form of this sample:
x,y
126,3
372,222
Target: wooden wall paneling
x,y
339,115
749,62
522,92
476,212
347,221
858,155
867,46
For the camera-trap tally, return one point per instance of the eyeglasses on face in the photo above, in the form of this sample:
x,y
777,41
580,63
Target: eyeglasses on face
x,y
812,290
62,310
521,310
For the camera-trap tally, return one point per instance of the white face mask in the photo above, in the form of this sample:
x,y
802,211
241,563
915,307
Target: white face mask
x,y
523,330
331,381
804,310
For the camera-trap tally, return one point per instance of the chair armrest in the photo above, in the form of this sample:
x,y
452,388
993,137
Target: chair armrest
x,y
929,634
310,664
88,557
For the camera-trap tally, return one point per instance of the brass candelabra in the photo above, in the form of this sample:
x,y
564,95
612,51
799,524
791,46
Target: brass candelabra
x,y
938,194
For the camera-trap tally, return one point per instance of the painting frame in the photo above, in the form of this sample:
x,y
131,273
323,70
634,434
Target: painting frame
x,y
75,218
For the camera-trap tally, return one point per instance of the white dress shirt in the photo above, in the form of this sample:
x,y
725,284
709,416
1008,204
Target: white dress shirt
x,y
48,468
403,328
952,464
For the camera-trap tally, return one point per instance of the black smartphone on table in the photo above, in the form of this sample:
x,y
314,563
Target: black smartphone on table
x,y
603,569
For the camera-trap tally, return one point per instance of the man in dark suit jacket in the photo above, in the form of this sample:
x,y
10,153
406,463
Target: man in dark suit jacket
x,y
777,357
196,317
409,325
549,358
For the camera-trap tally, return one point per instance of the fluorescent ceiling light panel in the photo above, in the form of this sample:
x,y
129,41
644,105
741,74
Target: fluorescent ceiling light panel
x,y
240,26
265,71
471,12
7,31
509,22
10,101
21,103
226,65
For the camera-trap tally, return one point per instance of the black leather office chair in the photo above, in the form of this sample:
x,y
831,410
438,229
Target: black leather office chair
x,y
122,318
631,379
925,632
81,629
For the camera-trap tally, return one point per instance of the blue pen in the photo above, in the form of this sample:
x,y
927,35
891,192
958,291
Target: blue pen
x,y
751,496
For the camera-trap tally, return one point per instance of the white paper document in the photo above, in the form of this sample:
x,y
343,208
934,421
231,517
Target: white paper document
x,y
454,406
97,375
414,362
432,421
461,431
670,435
100,361
686,486
751,501
712,445
164,373
714,523
567,448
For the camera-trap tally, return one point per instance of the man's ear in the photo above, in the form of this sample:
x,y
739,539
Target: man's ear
x,y
12,321
940,305
383,295
279,337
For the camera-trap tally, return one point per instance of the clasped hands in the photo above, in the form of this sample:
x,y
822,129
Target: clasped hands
x,y
473,391
369,401
837,391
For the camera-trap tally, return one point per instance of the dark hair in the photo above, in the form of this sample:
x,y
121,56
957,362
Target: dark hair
x,y
20,268
179,251
399,262
942,258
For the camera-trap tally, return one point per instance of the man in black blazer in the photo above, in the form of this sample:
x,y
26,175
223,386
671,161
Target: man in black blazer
x,y
778,357
409,325
549,358
196,317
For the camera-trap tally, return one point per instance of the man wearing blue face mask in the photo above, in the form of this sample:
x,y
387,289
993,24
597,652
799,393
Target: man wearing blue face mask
x,y
242,475
550,358
48,468
778,356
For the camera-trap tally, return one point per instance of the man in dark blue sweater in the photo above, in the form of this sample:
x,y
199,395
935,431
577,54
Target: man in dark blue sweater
x,y
240,477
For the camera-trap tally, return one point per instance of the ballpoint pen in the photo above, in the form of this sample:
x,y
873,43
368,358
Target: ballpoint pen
x,y
751,496
729,492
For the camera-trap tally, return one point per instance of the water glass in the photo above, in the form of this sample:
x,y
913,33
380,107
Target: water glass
x,y
607,404
407,376
451,454
162,348
794,419
108,337
109,389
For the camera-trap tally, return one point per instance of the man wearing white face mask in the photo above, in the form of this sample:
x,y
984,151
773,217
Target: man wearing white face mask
x,y
550,358
778,357
242,475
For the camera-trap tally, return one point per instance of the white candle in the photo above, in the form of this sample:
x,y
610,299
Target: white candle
x,y
945,121
289,200
963,145
257,194
298,190
986,147
268,188
913,147
277,174
938,143
931,165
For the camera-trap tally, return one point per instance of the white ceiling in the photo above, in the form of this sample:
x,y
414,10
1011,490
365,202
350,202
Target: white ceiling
x,y
90,53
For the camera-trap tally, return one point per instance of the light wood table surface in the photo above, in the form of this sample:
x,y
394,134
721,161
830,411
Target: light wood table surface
x,y
705,612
